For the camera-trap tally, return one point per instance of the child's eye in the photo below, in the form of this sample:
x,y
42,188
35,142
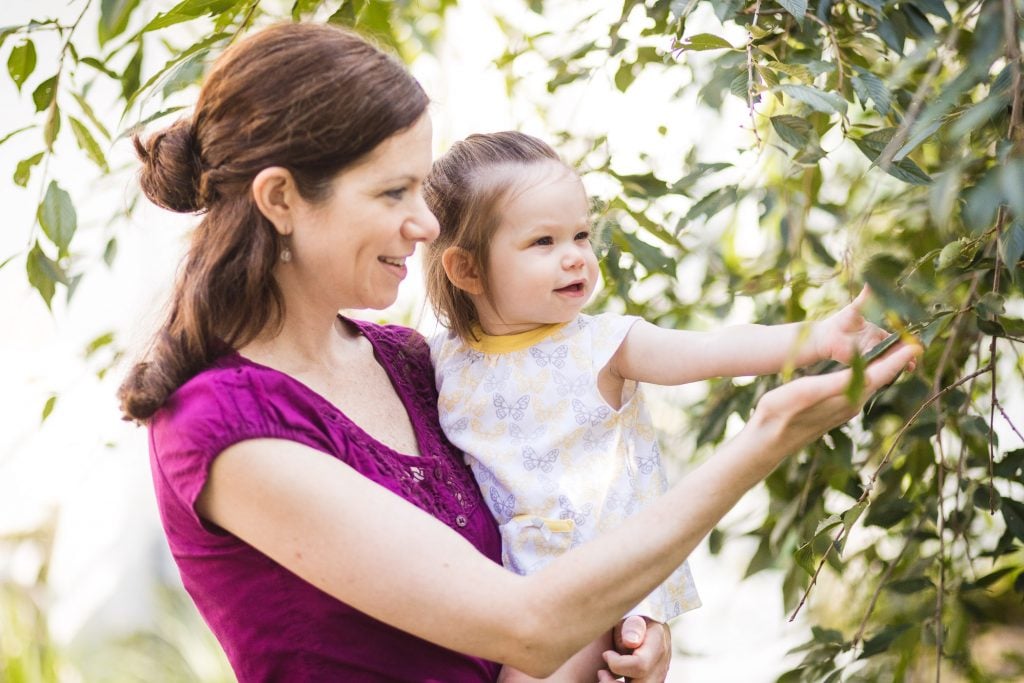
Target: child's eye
x,y
396,193
583,235
544,241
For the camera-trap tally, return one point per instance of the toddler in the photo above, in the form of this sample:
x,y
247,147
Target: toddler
x,y
546,401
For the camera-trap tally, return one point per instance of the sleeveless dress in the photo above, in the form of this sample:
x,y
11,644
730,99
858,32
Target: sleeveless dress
x,y
556,464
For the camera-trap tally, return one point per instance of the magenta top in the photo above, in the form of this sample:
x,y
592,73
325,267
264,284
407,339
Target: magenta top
x,y
273,625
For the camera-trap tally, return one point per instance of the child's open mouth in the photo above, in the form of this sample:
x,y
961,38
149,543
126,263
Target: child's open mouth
x,y
575,288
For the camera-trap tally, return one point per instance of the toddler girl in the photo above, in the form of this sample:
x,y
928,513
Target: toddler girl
x,y
546,401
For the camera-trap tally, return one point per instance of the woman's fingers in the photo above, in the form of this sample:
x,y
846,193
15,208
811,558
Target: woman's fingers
x,y
885,370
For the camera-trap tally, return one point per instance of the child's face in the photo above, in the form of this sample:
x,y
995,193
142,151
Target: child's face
x,y
542,267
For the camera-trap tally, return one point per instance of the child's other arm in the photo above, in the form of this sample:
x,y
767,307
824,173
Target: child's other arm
x,y
662,356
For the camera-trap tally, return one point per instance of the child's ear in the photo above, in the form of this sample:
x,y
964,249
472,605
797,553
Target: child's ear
x,y
462,270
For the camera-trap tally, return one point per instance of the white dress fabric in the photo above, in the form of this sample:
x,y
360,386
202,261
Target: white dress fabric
x,y
556,464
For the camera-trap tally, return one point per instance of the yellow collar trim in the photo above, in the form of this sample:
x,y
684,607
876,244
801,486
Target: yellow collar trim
x,y
508,343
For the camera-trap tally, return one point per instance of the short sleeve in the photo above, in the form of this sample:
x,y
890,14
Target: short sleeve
x,y
607,332
211,412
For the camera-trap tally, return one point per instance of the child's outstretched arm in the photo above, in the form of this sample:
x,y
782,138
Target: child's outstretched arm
x,y
662,356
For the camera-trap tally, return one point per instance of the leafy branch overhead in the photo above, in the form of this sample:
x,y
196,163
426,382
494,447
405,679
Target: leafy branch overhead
x,y
888,145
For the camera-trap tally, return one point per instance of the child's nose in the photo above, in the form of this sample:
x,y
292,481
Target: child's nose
x,y
572,259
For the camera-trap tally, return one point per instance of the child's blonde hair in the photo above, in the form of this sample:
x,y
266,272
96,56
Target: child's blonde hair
x,y
465,190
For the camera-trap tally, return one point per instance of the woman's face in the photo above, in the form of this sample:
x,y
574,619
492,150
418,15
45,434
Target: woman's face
x,y
351,249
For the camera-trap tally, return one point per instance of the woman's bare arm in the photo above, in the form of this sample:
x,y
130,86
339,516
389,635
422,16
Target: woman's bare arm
x,y
369,548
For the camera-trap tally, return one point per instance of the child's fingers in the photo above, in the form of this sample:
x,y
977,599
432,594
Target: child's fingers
x,y
862,298
629,633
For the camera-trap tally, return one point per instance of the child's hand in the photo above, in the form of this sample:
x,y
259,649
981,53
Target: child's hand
x,y
845,332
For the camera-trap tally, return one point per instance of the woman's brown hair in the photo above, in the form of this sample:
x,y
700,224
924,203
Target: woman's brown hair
x,y
312,99
465,190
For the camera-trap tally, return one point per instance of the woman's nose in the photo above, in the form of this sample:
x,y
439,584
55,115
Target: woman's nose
x,y
423,226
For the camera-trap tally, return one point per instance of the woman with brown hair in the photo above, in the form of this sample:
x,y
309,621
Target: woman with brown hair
x,y
320,520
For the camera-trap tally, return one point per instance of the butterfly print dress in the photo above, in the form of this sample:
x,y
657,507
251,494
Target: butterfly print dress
x,y
555,463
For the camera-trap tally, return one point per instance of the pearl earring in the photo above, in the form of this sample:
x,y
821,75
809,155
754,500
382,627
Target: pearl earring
x,y
286,255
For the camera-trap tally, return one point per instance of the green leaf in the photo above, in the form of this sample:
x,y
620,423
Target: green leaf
x,y
713,202
855,387
1011,247
131,77
110,252
52,126
705,41
1013,515
98,343
818,100
1011,178
23,170
908,586
906,170
186,11
15,132
887,513
87,143
101,67
977,115
303,7
57,217
43,273
792,129
48,407
90,114
114,16
942,196
44,93
881,642
22,62
868,86
982,202
624,76
136,127
798,8
919,135
202,45
883,272
8,30
653,260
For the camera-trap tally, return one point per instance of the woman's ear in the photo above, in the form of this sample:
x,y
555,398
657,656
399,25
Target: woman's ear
x,y
461,268
275,194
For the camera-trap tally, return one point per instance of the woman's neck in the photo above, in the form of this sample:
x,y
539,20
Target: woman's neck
x,y
310,336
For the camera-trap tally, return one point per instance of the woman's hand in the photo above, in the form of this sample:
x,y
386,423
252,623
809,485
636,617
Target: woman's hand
x,y
846,332
644,650
804,409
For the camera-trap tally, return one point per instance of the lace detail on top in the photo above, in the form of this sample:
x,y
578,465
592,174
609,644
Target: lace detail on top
x,y
437,480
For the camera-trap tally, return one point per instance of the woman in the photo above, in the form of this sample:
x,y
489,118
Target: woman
x,y
287,442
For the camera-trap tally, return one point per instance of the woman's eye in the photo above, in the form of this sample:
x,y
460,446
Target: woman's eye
x,y
544,242
396,193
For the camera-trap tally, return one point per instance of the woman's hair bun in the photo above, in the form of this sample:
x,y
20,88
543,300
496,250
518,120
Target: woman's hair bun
x,y
171,168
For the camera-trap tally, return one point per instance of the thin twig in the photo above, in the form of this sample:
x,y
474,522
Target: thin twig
x,y
1006,417
1011,29
874,476
51,111
840,65
883,580
750,74
884,160
940,524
